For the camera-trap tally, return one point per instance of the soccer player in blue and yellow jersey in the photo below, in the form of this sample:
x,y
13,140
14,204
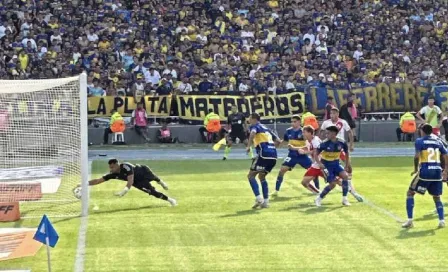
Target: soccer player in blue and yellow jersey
x,y
428,150
265,142
327,156
294,136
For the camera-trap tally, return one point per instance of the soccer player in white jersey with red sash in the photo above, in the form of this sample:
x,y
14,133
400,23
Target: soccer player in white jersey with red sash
x,y
314,171
343,127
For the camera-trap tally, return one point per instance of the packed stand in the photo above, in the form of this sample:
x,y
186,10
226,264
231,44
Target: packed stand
x,y
249,46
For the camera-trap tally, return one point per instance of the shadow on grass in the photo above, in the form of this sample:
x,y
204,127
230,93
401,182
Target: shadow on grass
x,y
409,234
283,199
93,213
428,217
309,208
241,213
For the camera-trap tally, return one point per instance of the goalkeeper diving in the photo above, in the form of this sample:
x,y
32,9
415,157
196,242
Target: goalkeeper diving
x,y
136,175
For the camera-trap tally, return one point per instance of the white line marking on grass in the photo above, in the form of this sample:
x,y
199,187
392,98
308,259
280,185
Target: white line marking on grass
x,y
384,211
381,209
82,235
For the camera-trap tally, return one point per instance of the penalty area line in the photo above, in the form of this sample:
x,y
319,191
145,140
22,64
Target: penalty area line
x,y
383,211
81,247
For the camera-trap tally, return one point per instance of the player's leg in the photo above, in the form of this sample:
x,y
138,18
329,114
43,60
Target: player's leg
x,y
415,183
150,190
331,179
153,177
435,189
245,141
306,163
251,176
351,186
308,177
268,166
288,165
344,176
230,141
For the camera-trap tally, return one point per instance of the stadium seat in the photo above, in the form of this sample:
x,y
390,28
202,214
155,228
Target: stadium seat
x,y
118,137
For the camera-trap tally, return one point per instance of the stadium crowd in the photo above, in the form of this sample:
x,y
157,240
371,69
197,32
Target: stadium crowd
x,y
247,46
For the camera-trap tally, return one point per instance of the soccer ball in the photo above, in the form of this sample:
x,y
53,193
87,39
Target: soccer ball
x,y
77,192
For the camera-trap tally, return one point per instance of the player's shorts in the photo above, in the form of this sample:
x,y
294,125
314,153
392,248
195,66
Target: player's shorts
x,y
145,176
263,165
314,172
304,161
237,134
334,170
434,188
144,186
436,131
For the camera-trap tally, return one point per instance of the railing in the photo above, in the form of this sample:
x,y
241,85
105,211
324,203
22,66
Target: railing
x,y
382,116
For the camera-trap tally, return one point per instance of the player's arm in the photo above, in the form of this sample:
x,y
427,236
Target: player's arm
x,y
419,115
128,186
130,181
444,160
348,166
302,150
441,115
351,136
250,142
322,130
97,181
416,157
318,158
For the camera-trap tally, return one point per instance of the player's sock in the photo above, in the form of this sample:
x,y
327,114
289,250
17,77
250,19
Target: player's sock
x,y
265,189
316,183
227,151
410,207
254,185
278,184
439,208
313,188
325,191
344,188
159,195
251,152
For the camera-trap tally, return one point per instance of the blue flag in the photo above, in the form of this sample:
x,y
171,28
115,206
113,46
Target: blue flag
x,y
45,230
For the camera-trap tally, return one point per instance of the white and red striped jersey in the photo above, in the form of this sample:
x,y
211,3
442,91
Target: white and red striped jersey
x,y
341,124
314,144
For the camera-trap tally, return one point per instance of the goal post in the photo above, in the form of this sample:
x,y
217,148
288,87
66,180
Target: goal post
x,y
44,145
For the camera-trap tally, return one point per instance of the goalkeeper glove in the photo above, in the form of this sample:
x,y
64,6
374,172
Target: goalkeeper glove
x,y
123,192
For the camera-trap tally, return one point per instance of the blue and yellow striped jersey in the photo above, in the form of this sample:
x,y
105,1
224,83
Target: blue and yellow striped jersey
x,y
331,151
295,138
429,149
264,141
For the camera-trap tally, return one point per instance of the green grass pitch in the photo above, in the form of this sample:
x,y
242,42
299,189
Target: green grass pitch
x,y
214,228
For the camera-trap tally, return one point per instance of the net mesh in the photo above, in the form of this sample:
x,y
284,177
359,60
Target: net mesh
x,y
40,145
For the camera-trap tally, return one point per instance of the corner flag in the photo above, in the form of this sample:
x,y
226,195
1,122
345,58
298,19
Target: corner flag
x,y
46,233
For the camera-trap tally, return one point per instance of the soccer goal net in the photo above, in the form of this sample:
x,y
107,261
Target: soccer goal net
x,y
43,145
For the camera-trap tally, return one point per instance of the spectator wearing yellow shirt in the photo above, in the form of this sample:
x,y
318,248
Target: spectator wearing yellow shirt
x,y
220,25
273,4
241,20
207,58
104,44
23,60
